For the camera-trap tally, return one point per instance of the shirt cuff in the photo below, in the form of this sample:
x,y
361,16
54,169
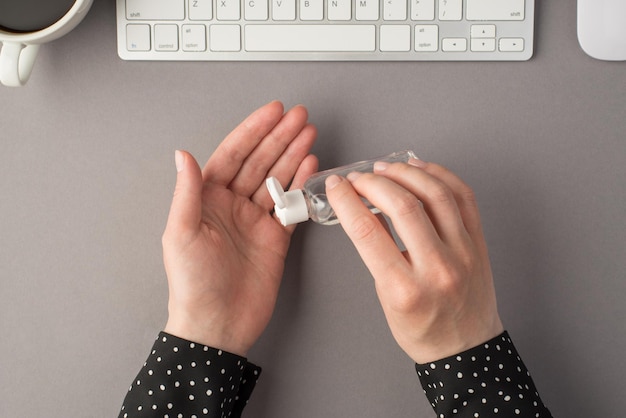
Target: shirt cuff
x,y
488,380
183,377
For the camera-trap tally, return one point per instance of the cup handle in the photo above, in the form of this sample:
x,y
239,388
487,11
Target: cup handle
x,y
16,63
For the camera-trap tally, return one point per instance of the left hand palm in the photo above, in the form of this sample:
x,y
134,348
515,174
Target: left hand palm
x,y
224,253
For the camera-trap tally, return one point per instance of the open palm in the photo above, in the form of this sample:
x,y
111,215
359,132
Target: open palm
x,y
224,252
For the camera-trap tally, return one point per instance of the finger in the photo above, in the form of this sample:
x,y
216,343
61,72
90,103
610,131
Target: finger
x,y
186,208
371,239
306,169
437,198
411,222
287,164
271,150
230,155
294,167
464,196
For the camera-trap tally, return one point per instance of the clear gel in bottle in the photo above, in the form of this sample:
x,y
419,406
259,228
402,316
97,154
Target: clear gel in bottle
x,y
310,202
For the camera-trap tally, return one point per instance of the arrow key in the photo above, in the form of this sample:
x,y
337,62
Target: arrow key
x,y
483,45
511,44
454,45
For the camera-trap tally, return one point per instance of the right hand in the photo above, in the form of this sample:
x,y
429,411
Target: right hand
x,y
438,295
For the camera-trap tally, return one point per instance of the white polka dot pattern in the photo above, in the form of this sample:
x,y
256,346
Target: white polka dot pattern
x,y
490,380
185,379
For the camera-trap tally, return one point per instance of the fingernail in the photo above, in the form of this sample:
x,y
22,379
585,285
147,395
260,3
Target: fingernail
x,y
380,166
332,181
180,161
415,162
354,175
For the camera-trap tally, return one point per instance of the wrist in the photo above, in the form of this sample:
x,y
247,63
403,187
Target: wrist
x,y
204,333
452,342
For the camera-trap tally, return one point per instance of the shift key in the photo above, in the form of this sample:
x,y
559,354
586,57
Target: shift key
x,y
495,9
155,10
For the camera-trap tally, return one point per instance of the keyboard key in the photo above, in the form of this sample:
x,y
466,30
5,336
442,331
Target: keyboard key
x,y
366,9
454,45
426,38
194,38
255,10
228,10
166,37
225,38
138,37
310,38
155,10
483,45
284,9
450,9
511,44
423,9
394,9
339,9
483,31
311,9
395,38
495,9
200,9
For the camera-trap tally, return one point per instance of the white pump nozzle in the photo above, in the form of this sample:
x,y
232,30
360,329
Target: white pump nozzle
x,y
276,191
290,207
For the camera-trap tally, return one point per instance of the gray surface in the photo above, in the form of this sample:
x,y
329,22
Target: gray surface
x,y
86,176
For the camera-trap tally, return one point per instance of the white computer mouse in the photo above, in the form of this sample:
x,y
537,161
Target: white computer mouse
x,y
602,28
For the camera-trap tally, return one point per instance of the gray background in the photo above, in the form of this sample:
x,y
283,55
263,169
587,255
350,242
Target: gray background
x,y
87,172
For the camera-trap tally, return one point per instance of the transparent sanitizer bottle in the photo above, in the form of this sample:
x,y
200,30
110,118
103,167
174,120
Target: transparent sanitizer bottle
x,y
310,202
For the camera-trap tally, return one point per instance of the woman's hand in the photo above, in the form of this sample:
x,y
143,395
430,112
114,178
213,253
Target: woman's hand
x,y
224,253
438,295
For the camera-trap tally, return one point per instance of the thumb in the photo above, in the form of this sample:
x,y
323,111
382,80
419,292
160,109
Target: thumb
x,y
370,237
186,209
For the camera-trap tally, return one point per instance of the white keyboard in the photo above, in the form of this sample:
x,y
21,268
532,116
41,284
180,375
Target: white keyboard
x,y
325,30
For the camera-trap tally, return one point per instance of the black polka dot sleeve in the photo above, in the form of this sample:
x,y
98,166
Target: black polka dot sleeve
x,y
185,379
486,381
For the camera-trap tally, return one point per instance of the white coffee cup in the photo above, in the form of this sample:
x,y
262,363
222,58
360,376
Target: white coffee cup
x,y
21,41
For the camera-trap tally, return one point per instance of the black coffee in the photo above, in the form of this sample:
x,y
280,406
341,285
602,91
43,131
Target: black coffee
x,y
31,15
